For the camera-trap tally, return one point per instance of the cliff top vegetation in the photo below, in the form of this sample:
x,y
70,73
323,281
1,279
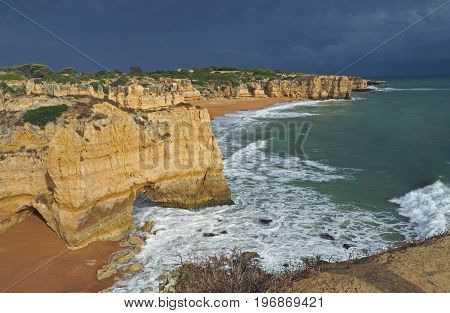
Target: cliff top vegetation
x,y
218,75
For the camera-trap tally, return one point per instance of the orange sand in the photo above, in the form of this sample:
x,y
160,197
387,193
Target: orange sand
x,y
225,106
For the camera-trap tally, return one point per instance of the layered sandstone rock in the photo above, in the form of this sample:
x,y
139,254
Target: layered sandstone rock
x,y
168,91
359,84
62,90
82,173
312,87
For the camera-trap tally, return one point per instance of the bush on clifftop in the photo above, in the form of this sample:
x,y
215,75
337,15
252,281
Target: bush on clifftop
x,y
6,88
67,71
10,76
44,115
29,70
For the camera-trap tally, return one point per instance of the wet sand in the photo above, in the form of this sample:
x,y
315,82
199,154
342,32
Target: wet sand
x,y
34,259
225,106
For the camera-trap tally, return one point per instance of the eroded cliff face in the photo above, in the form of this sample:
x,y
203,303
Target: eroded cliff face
x,y
83,172
166,92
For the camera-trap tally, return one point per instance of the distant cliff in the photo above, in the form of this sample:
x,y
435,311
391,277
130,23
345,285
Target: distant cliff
x,y
168,91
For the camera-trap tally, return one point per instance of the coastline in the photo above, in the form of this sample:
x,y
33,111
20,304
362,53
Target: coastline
x,y
31,252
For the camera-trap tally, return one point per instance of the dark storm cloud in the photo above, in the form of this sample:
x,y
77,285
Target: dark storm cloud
x,y
310,36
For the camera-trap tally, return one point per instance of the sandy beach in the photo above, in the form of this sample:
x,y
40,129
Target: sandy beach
x,y
31,253
225,106
34,259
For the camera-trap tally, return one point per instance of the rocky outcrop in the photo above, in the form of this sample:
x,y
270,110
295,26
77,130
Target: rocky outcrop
x,y
166,92
376,82
359,84
83,172
311,87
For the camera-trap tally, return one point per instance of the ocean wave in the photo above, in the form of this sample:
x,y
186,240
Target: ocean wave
x,y
427,208
278,111
253,162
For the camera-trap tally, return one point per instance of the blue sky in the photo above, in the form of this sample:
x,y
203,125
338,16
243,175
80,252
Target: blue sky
x,y
309,36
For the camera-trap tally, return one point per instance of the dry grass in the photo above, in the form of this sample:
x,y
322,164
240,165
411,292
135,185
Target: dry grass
x,y
240,272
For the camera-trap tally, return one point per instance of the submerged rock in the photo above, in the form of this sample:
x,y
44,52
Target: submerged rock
x,y
265,221
347,246
326,236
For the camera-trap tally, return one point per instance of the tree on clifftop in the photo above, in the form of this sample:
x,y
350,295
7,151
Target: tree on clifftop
x,y
67,70
135,70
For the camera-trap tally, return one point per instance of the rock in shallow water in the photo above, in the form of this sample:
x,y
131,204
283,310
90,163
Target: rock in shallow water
x,y
326,236
122,256
148,226
106,272
347,246
136,240
265,221
132,268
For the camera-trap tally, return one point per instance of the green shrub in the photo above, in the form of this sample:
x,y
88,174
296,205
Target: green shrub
x,y
122,81
61,79
262,72
11,76
6,88
135,70
30,70
44,115
67,71
98,84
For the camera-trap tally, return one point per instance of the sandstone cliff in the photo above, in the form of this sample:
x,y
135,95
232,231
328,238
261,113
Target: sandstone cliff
x,y
166,92
82,173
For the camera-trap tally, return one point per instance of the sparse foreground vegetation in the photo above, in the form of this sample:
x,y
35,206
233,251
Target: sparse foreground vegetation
x,y
415,267
240,272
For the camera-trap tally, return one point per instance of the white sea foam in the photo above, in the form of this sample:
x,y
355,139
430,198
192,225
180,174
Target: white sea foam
x,y
428,208
264,185
281,110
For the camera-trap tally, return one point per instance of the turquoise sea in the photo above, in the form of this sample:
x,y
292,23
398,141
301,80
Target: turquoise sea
x,y
337,178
